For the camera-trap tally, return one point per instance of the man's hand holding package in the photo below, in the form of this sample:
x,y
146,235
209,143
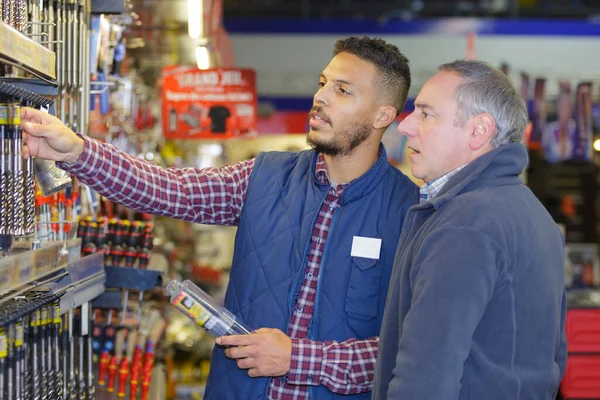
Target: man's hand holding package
x,y
265,352
47,137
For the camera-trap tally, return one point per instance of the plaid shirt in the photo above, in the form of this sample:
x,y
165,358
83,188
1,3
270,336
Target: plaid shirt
x,y
216,196
429,190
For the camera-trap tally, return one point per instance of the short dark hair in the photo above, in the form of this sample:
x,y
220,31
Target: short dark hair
x,y
392,66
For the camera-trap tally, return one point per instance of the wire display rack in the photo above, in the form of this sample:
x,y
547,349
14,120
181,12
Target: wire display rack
x,y
11,89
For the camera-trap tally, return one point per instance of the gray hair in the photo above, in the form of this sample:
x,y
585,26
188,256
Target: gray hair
x,y
486,89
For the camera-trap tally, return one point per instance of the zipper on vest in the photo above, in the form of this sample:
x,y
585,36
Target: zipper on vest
x,y
293,298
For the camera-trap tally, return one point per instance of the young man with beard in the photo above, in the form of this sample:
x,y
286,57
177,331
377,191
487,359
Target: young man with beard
x,y
476,308
317,230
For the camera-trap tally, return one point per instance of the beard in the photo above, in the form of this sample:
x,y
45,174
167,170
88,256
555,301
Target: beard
x,y
344,141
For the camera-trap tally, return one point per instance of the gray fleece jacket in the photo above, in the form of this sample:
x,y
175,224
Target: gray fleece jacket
x,y
476,305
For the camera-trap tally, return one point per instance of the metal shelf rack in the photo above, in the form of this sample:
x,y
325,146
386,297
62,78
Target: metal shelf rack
x,y
37,277
135,279
26,54
32,91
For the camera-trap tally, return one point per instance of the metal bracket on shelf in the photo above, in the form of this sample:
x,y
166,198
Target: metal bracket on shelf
x,y
99,91
84,282
105,85
126,278
109,300
82,292
80,270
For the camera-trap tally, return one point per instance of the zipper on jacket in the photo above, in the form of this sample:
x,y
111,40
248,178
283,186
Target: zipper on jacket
x,y
409,222
295,289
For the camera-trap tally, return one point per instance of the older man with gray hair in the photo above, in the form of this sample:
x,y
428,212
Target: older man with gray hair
x,y
476,304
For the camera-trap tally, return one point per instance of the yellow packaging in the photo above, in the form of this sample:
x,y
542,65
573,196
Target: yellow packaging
x,y
3,344
189,306
16,118
34,320
57,319
3,114
19,335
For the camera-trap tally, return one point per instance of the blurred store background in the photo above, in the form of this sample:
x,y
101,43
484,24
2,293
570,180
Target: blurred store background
x,y
203,83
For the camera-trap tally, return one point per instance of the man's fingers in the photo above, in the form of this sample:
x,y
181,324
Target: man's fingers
x,y
253,372
239,352
267,330
31,128
37,130
246,363
235,340
25,152
33,115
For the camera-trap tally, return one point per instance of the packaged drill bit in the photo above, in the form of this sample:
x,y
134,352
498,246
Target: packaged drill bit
x,y
204,310
3,356
29,217
19,355
9,173
4,169
51,178
18,190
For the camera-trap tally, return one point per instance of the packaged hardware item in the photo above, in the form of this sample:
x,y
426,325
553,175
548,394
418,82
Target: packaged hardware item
x,y
204,310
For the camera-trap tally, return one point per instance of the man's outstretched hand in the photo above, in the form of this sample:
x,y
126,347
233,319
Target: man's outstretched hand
x,y
45,136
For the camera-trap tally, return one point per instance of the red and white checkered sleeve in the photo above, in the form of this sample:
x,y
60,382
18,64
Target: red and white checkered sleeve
x,y
343,367
208,195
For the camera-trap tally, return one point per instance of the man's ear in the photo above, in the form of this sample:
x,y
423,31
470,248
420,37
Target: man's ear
x,y
385,116
482,129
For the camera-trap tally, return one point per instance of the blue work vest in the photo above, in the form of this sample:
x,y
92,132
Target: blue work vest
x,y
271,250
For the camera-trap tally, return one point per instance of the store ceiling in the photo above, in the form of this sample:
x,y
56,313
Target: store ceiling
x,y
162,29
384,9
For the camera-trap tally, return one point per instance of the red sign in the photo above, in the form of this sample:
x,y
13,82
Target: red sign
x,y
215,103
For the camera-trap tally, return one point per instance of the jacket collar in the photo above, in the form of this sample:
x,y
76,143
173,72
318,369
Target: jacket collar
x,y
363,185
499,167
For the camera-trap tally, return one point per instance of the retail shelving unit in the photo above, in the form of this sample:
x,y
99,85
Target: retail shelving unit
x,y
20,51
53,271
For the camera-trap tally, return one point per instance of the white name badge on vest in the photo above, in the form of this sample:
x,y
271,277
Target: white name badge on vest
x,y
366,247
